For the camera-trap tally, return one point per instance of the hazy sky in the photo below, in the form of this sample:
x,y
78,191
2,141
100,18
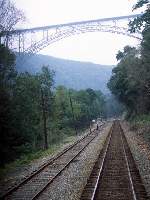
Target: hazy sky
x,y
95,47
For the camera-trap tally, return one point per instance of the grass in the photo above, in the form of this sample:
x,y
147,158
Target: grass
x,y
142,119
28,158
141,126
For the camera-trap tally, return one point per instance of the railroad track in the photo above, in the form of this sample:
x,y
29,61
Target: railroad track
x,y
33,186
115,175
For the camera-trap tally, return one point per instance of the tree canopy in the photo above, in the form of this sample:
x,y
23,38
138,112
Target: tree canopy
x,y
130,81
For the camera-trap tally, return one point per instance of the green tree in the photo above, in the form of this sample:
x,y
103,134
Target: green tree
x,y
32,108
9,17
26,110
143,21
7,78
125,82
63,110
46,82
75,109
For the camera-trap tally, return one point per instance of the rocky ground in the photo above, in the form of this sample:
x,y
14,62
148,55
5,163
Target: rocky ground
x,y
140,149
74,179
17,175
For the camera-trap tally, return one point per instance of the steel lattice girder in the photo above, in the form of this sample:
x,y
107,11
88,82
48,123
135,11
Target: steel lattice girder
x,y
30,41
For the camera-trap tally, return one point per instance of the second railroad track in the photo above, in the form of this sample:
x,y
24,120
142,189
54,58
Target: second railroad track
x,y
34,185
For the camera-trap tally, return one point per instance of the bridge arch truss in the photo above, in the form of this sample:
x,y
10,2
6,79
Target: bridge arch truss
x,y
33,40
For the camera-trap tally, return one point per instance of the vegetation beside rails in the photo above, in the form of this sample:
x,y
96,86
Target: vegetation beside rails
x,y
141,125
26,159
130,80
34,114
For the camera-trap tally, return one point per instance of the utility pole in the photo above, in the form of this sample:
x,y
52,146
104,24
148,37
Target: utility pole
x,y
73,116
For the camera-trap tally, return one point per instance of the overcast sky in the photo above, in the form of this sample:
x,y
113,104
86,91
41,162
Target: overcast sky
x,y
94,47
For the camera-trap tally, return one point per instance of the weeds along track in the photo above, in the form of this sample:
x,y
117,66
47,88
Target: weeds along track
x,y
34,185
115,175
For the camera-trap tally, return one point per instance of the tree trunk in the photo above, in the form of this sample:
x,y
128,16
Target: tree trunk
x,y
45,130
73,115
44,122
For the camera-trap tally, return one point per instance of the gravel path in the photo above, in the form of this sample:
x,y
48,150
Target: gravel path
x,y
141,154
70,184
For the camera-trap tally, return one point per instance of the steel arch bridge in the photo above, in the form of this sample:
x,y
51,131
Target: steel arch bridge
x,y
32,40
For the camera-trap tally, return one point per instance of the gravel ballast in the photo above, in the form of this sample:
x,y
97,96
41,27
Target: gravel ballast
x,y
20,173
141,153
70,184
17,175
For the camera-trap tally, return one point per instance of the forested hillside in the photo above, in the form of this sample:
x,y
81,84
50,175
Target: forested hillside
x,y
71,74
33,115
36,113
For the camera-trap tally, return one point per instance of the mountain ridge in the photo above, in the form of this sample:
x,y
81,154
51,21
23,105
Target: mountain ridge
x,y
72,74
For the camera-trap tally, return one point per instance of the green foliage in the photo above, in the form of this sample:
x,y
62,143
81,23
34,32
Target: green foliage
x,y
113,107
130,81
140,3
71,74
7,78
141,125
142,119
34,155
142,22
46,82
119,82
86,104
9,17
26,106
21,111
33,115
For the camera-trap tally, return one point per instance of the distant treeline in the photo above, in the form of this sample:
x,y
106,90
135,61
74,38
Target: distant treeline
x,y
130,81
34,114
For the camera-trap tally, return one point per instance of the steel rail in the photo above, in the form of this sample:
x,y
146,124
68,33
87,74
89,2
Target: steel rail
x,y
136,180
128,168
9,192
69,162
100,171
92,189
